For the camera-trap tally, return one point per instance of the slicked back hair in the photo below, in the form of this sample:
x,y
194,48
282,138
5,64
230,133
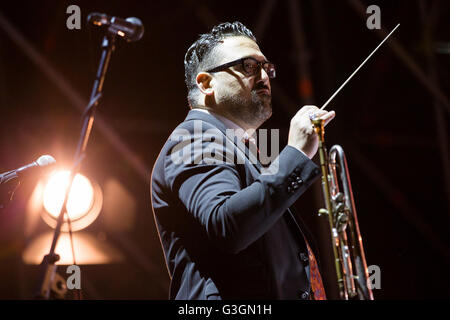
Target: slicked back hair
x,y
199,56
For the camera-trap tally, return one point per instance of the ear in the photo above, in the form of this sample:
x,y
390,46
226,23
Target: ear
x,y
204,83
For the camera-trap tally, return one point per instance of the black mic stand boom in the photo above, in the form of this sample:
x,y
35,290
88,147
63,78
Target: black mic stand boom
x,y
48,266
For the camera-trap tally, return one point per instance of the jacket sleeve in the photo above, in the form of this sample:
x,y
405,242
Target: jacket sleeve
x,y
232,215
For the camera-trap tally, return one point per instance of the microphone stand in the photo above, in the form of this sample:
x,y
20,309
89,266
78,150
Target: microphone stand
x,y
7,189
48,266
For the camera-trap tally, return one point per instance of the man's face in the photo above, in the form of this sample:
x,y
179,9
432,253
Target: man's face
x,y
246,98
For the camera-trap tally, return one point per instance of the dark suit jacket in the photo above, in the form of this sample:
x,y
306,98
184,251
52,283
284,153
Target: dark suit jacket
x,y
226,230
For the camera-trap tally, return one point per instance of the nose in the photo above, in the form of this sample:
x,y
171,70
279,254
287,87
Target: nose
x,y
262,74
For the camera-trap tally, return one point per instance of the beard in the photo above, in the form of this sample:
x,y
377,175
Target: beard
x,y
254,110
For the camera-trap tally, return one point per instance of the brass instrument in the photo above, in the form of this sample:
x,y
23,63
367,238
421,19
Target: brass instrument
x,y
346,239
341,212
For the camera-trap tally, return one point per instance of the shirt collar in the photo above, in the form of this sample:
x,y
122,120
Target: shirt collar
x,y
238,131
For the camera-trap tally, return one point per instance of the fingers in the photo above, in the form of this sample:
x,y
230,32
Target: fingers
x,y
313,112
309,109
328,117
306,110
318,114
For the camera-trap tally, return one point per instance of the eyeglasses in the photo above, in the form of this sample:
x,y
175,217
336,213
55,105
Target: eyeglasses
x,y
250,65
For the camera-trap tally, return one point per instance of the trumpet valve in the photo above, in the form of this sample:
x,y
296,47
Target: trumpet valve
x,y
340,207
339,197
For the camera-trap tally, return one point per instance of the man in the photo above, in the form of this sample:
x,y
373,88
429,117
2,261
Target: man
x,y
225,226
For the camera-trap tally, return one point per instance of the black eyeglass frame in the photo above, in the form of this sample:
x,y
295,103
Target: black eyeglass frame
x,y
260,65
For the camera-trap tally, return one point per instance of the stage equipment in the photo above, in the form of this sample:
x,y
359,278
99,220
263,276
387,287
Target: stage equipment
x,y
83,206
10,181
130,29
48,263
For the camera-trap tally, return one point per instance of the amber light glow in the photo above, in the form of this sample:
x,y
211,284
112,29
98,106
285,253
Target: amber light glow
x,y
89,249
83,206
81,195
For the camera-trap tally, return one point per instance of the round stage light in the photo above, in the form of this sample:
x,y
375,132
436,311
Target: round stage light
x,y
83,205
80,197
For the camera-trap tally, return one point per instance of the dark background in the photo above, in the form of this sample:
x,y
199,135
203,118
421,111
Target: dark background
x,y
392,127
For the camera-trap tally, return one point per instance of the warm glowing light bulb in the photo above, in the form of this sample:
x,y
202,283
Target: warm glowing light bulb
x,y
81,195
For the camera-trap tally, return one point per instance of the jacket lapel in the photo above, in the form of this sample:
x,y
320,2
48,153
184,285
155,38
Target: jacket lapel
x,y
199,115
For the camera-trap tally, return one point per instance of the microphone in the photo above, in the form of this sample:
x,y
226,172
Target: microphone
x,y
131,29
10,181
40,163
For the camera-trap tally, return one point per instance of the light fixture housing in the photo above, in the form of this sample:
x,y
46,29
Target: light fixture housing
x,y
84,203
